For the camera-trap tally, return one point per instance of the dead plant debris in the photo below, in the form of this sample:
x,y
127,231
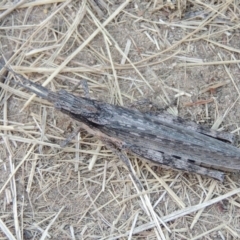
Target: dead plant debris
x,y
165,51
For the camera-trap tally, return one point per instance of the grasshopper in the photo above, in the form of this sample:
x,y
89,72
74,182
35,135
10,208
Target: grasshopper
x,y
161,139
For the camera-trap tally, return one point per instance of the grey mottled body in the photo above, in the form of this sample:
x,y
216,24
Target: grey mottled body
x,y
161,139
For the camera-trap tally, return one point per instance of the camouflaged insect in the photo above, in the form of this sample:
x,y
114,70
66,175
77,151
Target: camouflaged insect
x,y
162,139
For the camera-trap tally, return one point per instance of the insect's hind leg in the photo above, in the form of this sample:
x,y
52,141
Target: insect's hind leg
x,y
123,156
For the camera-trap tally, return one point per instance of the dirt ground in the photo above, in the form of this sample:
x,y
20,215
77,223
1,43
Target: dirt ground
x,y
181,55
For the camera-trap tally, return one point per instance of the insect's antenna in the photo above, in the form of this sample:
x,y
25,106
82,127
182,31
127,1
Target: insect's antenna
x,y
27,84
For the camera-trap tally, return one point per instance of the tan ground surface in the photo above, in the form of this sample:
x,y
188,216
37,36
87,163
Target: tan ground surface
x,y
181,52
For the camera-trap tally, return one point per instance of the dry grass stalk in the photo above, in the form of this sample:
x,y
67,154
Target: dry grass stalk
x,y
125,52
